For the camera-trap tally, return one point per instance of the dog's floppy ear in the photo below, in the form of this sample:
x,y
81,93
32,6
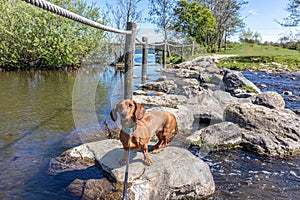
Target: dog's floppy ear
x,y
113,113
139,111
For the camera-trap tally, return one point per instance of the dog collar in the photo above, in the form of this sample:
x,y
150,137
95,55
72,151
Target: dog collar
x,y
129,130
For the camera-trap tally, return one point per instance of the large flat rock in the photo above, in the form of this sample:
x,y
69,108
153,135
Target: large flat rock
x,y
175,172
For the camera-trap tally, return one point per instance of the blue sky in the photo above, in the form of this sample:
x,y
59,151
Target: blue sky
x,y
263,15
259,16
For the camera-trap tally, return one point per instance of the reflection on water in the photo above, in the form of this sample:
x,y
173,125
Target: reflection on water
x,y
152,57
34,117
35,120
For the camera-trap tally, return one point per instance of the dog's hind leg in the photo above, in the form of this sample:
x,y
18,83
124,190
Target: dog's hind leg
x,y
157,147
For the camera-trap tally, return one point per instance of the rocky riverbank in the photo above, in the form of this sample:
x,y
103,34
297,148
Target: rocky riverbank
x,y
215,108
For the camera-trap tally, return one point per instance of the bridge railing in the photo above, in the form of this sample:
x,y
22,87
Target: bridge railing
x,y
166,45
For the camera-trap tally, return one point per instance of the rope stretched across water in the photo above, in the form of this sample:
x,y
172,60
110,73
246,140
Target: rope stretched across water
x,y
70,15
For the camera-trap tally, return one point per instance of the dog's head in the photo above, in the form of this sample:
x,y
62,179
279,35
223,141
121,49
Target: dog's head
x,y
129,112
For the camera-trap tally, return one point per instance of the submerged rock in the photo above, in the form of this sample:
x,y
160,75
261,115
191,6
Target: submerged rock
x,y
269,131
288,93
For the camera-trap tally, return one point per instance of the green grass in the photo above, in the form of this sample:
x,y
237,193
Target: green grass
x,y
252,56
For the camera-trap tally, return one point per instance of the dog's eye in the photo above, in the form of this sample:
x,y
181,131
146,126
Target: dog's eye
x,y
130,105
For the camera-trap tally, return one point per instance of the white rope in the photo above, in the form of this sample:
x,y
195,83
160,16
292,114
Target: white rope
x,y
139,41
157,44
173,45
70,15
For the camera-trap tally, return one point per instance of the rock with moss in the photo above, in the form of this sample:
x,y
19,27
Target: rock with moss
x,y
224,135
237,85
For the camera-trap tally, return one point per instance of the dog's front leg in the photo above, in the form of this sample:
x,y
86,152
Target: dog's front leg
x,y
125,139
147,159
125,156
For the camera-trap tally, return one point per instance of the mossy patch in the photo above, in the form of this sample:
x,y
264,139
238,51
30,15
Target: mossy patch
x,y
250,89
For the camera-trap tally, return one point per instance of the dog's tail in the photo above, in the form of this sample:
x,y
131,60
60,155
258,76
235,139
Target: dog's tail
x,y
176,129
175,132
179,139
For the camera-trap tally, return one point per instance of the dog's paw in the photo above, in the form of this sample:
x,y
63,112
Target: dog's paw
x,y
156,151
122,162
148,161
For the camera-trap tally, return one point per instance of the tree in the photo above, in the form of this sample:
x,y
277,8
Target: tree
x,y
257,37
248,36
290,40
124,11
194,20
34,38
294,10
161,14
228,19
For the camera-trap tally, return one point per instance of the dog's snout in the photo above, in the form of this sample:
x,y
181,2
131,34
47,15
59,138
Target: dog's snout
x,y
123,114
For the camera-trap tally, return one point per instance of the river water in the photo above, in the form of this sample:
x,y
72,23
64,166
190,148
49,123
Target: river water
x,y
37,124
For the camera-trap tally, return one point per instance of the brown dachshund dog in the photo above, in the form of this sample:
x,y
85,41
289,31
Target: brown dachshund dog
x,y
139,126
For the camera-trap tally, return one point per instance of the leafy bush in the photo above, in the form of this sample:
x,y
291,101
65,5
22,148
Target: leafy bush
x,y
31,38
176,60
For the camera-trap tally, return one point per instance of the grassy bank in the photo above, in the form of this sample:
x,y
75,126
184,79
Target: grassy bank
x,y
260,57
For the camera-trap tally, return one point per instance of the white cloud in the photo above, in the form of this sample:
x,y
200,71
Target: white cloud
x,y
152,35
252,12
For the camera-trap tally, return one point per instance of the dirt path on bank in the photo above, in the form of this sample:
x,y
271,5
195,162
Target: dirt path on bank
x,y
222,56
216,57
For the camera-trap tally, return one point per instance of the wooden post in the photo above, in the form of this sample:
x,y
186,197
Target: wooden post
x,y
193,48
165,54
181,52
129,60
144,59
